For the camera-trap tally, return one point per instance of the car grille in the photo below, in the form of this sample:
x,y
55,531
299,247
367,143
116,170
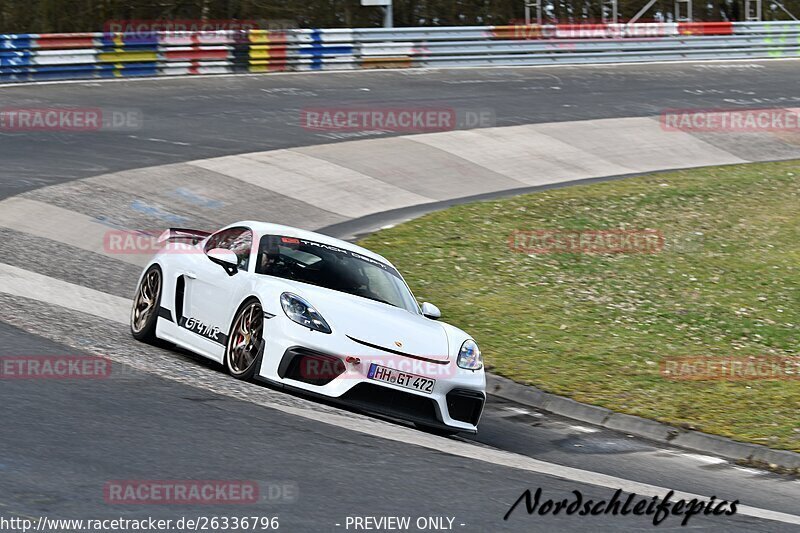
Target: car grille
x,y
392,402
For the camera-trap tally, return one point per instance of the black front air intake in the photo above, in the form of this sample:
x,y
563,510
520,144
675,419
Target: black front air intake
x,y
465,405
308,366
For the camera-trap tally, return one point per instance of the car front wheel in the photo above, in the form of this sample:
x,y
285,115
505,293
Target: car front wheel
x,y
144,313
242,354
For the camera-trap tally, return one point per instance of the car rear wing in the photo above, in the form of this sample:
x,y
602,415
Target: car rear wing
x,y
183,235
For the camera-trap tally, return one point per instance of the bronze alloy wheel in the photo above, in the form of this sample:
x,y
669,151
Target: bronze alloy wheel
x,y
145,305
244,341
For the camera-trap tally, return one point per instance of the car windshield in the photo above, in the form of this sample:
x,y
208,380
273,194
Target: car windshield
x,y
333,268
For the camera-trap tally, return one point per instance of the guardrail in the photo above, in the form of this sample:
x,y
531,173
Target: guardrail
x,y
30,57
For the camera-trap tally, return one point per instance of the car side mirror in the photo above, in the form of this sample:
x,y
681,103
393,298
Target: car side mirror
x,y
225,258
431,311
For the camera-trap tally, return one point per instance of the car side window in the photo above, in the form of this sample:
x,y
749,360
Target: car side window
x,y
238,240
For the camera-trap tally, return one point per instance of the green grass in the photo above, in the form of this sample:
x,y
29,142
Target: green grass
x,y
595,327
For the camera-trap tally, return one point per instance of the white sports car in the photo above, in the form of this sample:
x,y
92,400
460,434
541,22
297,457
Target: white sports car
x,y
306,311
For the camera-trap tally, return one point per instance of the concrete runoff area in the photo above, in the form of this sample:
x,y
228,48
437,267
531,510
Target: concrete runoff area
x,y
358,178
382,174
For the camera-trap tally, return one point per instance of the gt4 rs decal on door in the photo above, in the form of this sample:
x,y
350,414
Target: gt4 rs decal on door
x,y
211,333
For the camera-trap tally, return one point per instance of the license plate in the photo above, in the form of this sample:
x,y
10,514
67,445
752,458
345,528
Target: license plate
x,y
402,379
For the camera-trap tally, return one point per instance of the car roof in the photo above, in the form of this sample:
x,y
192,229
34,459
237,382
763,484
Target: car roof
x,y
266,228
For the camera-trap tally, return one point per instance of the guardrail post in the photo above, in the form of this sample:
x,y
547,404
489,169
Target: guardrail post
x,y
386,5
610,11
388,17
752,10
538,5
679,17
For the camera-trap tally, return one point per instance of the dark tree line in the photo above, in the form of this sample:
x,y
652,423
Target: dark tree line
x,y
18,16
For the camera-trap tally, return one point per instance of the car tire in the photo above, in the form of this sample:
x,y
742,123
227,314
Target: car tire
x,y
243,350
146,304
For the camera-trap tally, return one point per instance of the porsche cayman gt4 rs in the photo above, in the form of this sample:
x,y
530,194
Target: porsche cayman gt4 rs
x,y
306,311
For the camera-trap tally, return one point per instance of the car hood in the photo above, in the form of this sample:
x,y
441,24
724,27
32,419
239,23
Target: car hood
x,y
378,325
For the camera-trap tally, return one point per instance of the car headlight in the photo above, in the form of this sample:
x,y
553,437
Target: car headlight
x,y
469,357
300,311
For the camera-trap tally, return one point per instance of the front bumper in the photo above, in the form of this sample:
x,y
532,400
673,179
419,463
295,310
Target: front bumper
x,y
340,373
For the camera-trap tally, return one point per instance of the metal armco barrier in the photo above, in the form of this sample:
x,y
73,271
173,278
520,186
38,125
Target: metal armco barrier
x,y
30,57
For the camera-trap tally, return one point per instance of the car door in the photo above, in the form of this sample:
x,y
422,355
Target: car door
x,y
211,292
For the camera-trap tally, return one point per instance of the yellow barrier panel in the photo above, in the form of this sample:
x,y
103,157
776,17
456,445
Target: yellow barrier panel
x,y
125,56
264,52
266,36
387,62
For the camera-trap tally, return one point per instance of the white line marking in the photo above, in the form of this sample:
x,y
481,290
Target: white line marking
x,y
19,282
27,284
708,459
155,140
584,429
752,471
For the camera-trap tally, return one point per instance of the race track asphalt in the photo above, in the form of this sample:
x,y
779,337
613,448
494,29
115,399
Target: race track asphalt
x,y
63,440
193,118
